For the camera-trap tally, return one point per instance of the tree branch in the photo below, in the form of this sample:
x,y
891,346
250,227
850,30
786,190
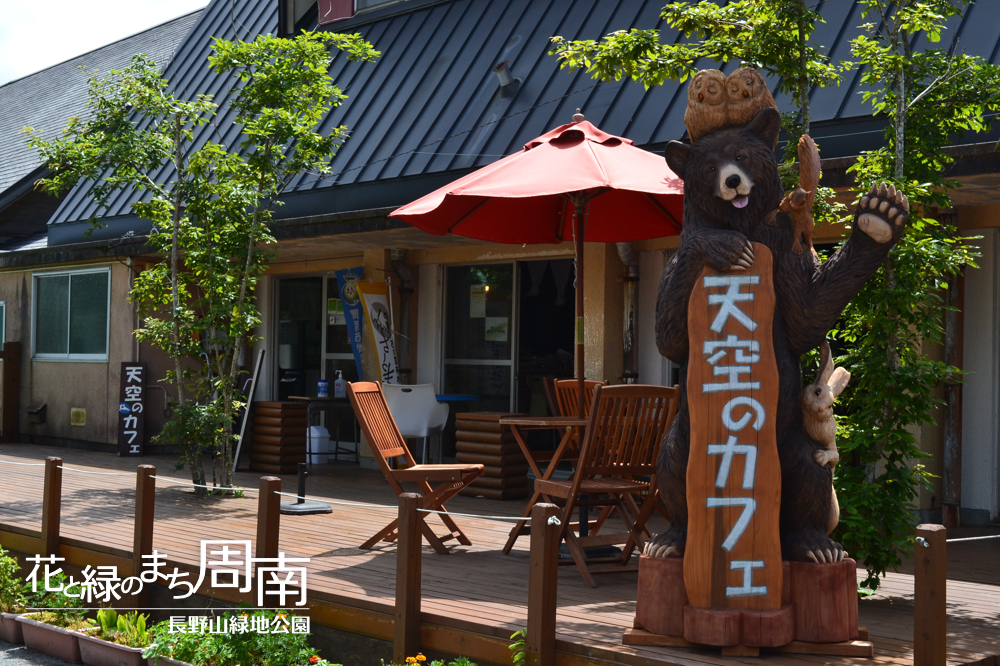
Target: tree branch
x,y
944,78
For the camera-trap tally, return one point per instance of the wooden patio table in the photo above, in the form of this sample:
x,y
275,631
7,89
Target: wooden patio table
x,y
520,423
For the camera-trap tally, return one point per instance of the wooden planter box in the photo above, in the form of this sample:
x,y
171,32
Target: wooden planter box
x,y
99,652
10,629
50,639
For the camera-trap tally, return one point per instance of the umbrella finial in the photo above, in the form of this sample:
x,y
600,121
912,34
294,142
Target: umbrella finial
x,y
577,117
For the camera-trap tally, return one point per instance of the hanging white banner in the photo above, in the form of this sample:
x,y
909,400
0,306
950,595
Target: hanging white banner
x,y
375,299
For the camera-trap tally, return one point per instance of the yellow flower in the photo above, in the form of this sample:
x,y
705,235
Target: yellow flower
x,y
411,660
421,657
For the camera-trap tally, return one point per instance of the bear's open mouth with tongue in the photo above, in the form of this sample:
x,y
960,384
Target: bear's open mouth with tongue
x,y
733,184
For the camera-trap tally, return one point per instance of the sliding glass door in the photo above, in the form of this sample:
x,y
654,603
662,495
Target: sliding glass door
x,y
479,335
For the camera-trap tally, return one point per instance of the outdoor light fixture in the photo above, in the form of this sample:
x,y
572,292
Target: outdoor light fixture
x,y
503,73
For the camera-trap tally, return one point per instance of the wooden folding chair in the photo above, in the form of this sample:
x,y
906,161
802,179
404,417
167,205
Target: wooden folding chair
x,y
549,384
566,392
386,443
562,401
619,449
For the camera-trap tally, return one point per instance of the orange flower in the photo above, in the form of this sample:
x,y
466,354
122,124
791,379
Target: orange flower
x,y
421,657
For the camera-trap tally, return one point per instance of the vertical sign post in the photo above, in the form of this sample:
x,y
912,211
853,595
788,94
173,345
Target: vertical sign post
x,y
732,559
131,406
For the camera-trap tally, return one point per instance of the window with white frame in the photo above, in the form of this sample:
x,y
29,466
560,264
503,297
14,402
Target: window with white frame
x,y
71,314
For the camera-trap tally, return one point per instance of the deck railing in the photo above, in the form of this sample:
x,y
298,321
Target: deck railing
x,y
930,560
540,642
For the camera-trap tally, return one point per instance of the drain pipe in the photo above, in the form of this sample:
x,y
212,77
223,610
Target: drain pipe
x,y
405,294
630,356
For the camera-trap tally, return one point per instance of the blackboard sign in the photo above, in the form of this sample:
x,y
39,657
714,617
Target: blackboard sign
x,y
131,407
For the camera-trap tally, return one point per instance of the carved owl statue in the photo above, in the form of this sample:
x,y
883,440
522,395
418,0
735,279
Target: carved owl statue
x,y
746,94
707,103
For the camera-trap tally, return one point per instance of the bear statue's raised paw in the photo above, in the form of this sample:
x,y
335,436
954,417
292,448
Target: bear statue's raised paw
x,y
812,545
668,544
883,212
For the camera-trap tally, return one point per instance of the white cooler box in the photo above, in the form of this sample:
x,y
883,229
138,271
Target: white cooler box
x,y
318,445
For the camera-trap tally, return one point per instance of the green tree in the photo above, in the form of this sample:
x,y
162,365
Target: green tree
x,y
929,98
210,211
772,35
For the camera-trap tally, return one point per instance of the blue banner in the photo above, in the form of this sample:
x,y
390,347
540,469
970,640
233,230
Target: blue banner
x,y
347,284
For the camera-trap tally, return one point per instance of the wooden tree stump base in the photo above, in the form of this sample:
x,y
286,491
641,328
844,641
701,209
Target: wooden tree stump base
x,y
818,615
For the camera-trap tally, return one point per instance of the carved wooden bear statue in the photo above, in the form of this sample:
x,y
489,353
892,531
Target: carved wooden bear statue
x,y
731,184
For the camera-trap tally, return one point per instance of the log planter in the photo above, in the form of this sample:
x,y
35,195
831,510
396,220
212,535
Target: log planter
x,y
99,652
10,629
50,639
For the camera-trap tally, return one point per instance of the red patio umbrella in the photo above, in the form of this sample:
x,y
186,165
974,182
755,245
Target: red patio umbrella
x,y
575,182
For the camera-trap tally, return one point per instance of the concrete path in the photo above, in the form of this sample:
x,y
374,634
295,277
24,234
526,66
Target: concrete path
x,y
18,655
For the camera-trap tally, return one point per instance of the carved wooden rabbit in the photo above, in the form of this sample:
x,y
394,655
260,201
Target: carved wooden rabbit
x,y
818,419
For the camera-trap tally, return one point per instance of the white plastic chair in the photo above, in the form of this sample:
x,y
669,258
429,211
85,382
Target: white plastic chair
x,y
416,411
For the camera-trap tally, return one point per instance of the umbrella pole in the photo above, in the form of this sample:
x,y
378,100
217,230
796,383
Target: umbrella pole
x,y
579,210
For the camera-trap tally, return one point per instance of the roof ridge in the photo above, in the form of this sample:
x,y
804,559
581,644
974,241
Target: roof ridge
x,y
104,46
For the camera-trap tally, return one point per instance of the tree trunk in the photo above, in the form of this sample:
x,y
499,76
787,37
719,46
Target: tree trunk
x,y
197,471
803,76
892,343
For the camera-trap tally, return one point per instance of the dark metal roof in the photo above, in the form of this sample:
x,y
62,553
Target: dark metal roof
x,y
45,100
431,108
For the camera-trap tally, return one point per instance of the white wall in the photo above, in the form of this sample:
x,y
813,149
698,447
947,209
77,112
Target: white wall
x,y
652,366
981,395
430,324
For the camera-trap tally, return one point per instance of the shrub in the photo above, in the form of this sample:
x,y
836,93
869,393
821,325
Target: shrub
x,y
11,586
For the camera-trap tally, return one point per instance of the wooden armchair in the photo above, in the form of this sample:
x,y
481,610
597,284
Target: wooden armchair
x,y
386,443
619,451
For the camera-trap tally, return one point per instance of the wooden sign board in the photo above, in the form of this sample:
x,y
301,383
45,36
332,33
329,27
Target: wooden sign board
x,y
732,559
131,404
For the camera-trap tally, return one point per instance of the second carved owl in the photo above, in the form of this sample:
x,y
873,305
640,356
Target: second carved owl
x,y
747,94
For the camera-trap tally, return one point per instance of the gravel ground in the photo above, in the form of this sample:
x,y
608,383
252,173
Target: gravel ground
x,y
18,655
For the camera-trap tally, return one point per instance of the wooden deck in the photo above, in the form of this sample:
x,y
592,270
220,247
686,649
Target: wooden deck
x,y
472,591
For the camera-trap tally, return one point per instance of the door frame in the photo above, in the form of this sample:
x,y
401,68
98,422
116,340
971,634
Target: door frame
x,y
515,320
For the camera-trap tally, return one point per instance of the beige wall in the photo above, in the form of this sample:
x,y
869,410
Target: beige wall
x,y
603,308
63,385
93,386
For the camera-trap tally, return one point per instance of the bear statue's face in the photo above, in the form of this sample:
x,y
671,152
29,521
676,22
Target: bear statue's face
x,y
724,169
730,175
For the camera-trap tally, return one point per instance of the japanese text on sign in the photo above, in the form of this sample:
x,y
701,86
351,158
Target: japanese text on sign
x,y
131,406
224,564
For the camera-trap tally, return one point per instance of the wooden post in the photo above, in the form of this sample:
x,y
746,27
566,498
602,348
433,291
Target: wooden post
x,y
543,578
11,382
142,538
51,505
268,521
930,581
406,624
